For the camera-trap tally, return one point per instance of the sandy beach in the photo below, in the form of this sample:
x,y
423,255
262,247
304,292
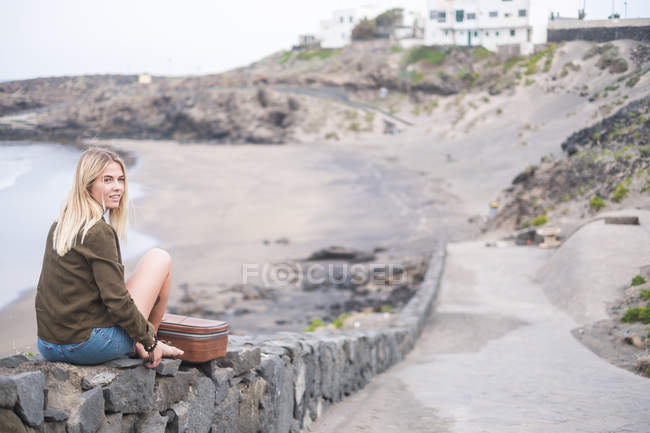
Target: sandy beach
x,y
217,208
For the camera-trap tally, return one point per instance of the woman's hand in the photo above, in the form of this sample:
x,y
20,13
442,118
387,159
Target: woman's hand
x,y
161,350
154,357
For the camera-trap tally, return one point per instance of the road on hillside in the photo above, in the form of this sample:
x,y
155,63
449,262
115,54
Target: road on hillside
x,y
496,357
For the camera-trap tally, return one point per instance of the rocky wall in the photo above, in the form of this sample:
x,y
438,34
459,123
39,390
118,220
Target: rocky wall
x,y
600,34
277,383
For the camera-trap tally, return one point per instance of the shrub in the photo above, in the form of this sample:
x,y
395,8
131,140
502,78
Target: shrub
x,y
597,203
499,111
632,81
645,295
315,323
395,48
638,280
620,192
540,221
637,314
417,77
631,315
510,63
481,53
285,57
323,53
339,321
428,54
331,136
365,30
525,224
565,197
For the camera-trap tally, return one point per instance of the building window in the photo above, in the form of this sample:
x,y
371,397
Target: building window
x,y
496,33
512,32
507,15
446,32
433,15
475,34
487,33
494,14
442,17
341,19
522,12
471,16
460,14
351,18
460,33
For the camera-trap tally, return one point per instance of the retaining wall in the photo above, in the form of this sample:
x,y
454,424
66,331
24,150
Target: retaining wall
x,y
599,30
278,383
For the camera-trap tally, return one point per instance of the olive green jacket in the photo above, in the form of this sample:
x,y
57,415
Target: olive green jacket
x,y
85,289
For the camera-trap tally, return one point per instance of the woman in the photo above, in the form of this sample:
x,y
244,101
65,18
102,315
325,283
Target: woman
x,y
86,313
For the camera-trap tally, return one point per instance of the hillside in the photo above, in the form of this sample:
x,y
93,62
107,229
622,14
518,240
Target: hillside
x,y
306,96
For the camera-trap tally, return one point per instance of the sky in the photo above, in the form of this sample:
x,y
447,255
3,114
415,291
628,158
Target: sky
x,y
40,38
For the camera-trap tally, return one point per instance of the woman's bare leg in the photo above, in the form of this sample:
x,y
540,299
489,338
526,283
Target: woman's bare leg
x,y
149,287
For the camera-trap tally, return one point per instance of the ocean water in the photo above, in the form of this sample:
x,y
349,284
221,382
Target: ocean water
x,y
34,181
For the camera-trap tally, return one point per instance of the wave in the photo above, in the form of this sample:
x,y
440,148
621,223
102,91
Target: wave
x,y
12,169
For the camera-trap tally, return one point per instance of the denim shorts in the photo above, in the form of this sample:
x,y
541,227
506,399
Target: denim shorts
x,y
103,345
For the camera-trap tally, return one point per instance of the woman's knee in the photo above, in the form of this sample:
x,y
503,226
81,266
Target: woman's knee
x,y
160,256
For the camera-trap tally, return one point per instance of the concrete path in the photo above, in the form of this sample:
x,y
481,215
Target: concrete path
x,y
496,357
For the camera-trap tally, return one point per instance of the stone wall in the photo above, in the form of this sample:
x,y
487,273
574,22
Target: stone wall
x,y
277,384
599,31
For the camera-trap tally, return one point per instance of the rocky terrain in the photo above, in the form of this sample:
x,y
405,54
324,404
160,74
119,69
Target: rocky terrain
x,y
324,288
605,166
287,97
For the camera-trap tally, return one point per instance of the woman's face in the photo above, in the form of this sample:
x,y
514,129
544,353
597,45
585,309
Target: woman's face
x,y
109,186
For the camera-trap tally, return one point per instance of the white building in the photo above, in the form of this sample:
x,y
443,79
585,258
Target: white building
x,y
336,32
516,25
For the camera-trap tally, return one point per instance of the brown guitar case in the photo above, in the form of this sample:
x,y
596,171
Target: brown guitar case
x,y
200,339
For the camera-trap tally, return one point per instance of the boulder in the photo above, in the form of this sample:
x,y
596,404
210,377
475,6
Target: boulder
x,y
10,422
249,418
112,424
131,392
101,379
169,390
13,361
201,406
240,358
31,398
178,417
88,414
168,367
342,253
225,415
8,392
53,414
152,422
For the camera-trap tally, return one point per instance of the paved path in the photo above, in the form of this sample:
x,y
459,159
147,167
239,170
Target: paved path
x,y
496,357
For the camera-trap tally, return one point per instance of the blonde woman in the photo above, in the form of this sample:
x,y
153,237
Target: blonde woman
x,y
86,313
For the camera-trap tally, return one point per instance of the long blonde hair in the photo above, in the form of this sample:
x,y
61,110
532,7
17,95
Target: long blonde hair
x,y
80,210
